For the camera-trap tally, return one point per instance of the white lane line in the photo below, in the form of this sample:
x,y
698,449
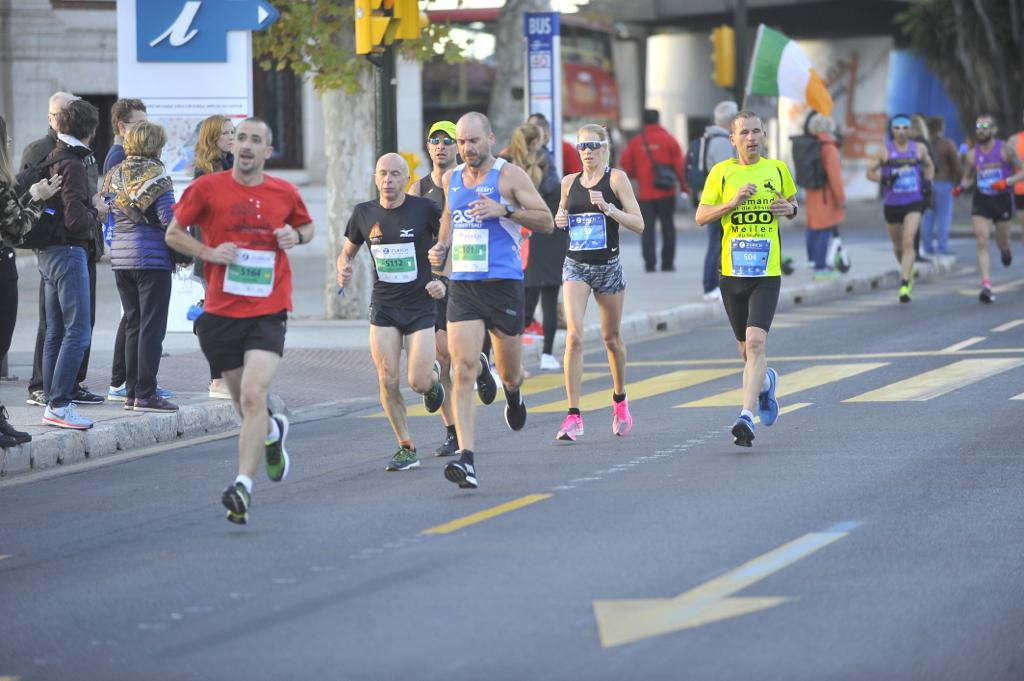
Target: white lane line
x,y
1007,326
956,347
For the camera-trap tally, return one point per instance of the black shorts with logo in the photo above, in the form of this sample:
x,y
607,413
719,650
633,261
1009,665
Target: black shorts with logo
x,y
998,208
408,320
894,214
750,301
497,302
225,340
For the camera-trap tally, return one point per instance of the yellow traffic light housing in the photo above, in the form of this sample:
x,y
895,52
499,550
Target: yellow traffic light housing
x,y
411,21
723,55
375,26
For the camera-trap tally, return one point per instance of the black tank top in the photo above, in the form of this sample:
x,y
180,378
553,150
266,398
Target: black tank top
x,y
429,190
586,236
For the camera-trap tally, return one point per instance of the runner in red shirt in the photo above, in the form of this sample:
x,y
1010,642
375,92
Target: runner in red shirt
x,y
248,220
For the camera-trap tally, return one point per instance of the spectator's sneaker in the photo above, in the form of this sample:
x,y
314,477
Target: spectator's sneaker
x,y
118,394
164,393
66,417
713,294
486,386
534,329
622,420
825,275
7,430
743,431
129,404
154,403
549,363
905,293
37,397
219,390
986,295
434,398
6,441
462,472
1006,256
767,405
449,446
83,396
236,499
571,428
515,414
275,454
404,459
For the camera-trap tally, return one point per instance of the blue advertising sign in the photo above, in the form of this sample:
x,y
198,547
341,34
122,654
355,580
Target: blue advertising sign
x,y
195,30
544,73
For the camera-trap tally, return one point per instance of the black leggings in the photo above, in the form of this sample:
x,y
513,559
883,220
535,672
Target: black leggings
x,y
8,298
548,296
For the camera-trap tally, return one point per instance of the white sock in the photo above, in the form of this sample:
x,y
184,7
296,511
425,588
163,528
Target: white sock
x,y
749,414
767,383
246,482
275,432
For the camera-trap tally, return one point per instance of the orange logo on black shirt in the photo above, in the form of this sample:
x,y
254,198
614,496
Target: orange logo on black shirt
x,y
376,236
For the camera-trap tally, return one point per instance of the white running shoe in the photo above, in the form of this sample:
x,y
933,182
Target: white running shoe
x,y
549,363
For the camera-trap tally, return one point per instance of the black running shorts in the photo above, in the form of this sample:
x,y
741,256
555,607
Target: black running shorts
x,y
1018,201
225,340
441,305
998,208
497,302
750,301
894,214
407,320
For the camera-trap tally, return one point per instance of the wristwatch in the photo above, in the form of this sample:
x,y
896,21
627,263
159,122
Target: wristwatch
x,y
509,210
796,209
302,240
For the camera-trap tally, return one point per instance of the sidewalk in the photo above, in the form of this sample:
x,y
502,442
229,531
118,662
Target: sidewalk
x,y
327,369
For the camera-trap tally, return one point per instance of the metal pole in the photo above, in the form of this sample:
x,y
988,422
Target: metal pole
x,y
740,29
387,103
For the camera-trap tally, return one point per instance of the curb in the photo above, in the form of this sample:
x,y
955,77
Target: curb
x,y
59,447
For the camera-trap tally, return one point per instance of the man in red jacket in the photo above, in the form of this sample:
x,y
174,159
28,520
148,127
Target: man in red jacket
x,y
655,146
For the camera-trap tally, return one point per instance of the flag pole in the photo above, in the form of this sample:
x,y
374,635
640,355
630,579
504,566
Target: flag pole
x,y
750,65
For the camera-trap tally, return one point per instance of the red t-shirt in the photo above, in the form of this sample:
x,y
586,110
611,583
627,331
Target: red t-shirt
x,y
246,216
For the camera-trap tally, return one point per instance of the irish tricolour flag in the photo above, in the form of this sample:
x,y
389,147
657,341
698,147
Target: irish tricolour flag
x,y
780,67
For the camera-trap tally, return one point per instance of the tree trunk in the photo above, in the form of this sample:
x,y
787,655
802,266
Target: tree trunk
x,y
349,130
506,109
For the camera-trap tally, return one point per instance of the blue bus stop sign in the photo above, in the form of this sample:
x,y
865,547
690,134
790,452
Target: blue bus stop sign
x,y
195,30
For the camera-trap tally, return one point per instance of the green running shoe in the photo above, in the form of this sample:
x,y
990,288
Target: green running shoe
x,y
236,499
434,398
276,455
403,460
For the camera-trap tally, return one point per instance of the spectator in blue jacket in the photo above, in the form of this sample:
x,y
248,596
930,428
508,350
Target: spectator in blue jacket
x,y
142,206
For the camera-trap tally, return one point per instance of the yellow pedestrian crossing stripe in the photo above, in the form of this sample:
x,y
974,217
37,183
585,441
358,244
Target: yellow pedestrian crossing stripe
x,y
1000,288
1018,397
804,379
648,387
957,347
937,382
532,385
787,409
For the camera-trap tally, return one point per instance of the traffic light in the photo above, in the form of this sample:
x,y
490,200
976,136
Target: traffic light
x,y
410,20
723,54
375,26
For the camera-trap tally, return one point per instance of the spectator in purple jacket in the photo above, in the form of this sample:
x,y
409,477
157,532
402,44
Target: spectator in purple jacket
x,y
142,206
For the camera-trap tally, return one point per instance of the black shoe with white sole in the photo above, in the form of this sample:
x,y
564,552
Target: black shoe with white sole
x,y
462,472
515,412
486,387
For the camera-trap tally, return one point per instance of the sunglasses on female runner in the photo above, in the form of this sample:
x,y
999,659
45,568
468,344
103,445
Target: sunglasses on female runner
x,y
594,146
448,141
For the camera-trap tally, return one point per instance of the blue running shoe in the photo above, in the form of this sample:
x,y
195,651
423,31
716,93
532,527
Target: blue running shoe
x,y
743,431
767,405
164,392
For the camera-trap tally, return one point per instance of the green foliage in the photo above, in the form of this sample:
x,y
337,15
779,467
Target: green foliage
x,y
317,38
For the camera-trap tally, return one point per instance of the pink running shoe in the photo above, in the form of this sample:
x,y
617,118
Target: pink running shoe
x,y
622,420
571,428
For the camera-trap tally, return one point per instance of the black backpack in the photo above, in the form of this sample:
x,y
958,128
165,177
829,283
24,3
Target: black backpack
x,y
51,220
697,163
810,172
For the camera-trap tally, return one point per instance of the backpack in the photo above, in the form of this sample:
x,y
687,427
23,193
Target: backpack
x,y
810,172
697,163
51,220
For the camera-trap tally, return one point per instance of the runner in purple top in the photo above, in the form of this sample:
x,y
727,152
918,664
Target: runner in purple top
x,y
905,171
991,166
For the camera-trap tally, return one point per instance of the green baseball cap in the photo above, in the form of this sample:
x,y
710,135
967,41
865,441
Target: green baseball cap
x,y
447,127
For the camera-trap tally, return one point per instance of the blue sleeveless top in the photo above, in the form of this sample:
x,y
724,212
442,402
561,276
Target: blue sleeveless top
x,y
482,249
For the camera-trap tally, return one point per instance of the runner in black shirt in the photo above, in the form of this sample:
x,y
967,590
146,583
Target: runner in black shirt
x,y
400,230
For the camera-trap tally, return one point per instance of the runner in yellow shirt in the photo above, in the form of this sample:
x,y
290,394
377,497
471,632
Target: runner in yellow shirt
x,y
749,194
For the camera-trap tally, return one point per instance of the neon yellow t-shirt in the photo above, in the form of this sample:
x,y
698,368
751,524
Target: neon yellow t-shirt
x,y
750,234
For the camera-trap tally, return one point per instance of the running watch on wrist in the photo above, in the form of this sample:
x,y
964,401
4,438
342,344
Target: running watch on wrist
x,y
796,209
302,239
509,210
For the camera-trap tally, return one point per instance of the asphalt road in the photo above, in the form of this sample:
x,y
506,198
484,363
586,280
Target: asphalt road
x,y
873,533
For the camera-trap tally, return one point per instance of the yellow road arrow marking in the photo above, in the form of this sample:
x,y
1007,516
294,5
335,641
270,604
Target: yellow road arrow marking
x,y
938,382
627,621
804,379
649,387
